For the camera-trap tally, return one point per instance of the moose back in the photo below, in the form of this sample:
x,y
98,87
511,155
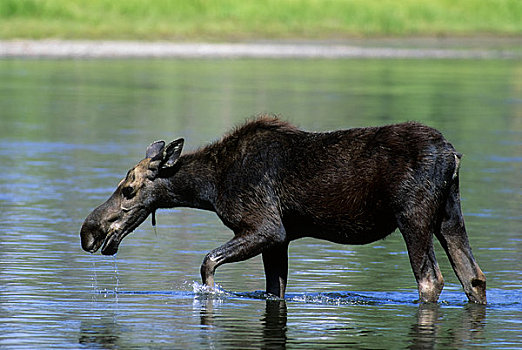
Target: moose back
x,y
272,183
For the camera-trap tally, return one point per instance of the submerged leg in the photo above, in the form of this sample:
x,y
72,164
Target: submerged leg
x,y
423,262
275,261
454,240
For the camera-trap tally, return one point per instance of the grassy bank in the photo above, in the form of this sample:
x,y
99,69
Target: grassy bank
x,y
251,19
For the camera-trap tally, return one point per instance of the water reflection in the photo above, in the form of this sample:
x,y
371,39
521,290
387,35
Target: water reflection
x,y
103,333
207,312
423,333
431,327
473,321
434,325
273,324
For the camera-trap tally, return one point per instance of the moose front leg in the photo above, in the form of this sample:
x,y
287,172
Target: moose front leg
x,y
239,248
269,239
275,261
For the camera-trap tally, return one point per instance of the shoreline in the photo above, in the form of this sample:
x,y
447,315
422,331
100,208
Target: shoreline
x,y
417,48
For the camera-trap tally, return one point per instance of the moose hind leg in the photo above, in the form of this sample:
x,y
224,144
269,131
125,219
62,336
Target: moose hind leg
x,y
454,240
275,261
423,262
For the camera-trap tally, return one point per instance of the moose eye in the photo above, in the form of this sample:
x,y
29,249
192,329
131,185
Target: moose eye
x,y
128,192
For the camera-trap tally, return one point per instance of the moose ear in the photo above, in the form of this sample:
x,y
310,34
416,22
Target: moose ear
x,y
172,153
155,150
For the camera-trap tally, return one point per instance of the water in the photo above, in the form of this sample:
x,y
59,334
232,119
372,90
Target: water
x,y
71,129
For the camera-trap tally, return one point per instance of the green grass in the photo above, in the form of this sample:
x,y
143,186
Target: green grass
x,y
250,19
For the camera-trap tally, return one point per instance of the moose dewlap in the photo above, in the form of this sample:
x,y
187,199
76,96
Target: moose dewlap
x,y
272,183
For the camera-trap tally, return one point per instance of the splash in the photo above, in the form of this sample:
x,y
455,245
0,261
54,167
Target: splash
x,y
334,298
202,290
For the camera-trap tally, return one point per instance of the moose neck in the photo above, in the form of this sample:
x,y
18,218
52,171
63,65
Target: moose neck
x,y
193,184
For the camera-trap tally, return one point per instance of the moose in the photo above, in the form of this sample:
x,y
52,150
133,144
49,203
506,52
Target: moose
x,y
272,183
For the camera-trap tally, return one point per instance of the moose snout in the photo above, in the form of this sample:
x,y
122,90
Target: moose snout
x,y
92,236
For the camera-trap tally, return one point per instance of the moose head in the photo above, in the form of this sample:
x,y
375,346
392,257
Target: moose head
x,y
137,196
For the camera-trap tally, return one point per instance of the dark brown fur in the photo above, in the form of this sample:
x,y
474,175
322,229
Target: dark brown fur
x,y
271,183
